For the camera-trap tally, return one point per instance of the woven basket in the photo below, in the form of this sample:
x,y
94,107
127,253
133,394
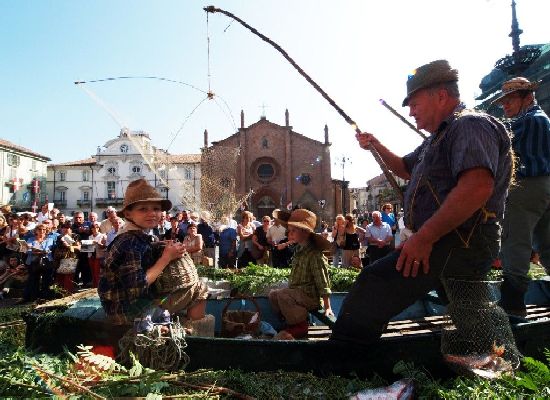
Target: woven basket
x,y
178,274
238,322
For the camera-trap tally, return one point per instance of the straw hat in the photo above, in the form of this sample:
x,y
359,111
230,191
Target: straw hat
x,y
304,219
429,75
139,191
515,85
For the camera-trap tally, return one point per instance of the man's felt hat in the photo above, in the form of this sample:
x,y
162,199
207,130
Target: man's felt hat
x,y
429,75
304,219
515,85
140,191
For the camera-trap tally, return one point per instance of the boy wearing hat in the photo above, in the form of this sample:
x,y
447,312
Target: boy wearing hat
x,y
527,217
308,282
458,180
131,265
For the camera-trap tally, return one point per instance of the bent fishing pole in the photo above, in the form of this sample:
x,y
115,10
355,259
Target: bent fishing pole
x,y
389,176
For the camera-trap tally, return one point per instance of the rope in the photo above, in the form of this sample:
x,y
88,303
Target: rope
x,y
347,118
154,350
208,50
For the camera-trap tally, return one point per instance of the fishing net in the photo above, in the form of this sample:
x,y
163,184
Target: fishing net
x,y
156,349
477,326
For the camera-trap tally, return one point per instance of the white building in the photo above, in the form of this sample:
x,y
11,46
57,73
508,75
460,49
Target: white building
x,y
23,176
101,181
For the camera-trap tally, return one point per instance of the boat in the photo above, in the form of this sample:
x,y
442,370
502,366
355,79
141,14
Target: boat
x,y
412,336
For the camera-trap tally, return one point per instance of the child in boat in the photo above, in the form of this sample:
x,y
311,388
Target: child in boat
x,y
308,282
132,264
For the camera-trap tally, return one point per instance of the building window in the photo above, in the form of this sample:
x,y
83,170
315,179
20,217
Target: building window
x,y
136,169
85,175
265,171
62,175
86,196
162,174
62,196
33,165
111,190
187,173
164,192
124,148
13,160
111,171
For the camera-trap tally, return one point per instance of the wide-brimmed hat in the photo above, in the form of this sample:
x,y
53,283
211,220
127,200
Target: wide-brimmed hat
x,y
429,75
307,220
139,191
515,85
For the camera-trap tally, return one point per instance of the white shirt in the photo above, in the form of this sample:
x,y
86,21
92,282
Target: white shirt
x,y
378,232
276,233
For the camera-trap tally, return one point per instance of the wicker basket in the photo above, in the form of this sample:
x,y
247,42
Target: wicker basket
x,y
178,274
238,322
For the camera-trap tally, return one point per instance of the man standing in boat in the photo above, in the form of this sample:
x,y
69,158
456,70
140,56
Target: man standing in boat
x,y
527,218
458,180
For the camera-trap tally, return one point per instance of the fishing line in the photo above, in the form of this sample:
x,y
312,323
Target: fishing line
x,y
208,50
185,122
347,118
228,113
159,78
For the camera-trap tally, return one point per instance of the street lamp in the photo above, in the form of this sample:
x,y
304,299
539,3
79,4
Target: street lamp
x,y
344,184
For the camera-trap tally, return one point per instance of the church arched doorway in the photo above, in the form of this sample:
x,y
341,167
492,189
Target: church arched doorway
x,y
264,206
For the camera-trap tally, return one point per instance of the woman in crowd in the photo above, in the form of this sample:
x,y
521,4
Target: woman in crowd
x,y
67,247
40,264
351,241
97,256
260,250
389,218
245,231
174,233
338,239
193,243
14,277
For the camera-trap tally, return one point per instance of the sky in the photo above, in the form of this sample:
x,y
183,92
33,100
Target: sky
x,y
357,51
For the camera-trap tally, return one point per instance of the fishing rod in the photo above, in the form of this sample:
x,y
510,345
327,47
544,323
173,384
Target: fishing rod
x,y
402,118
347,118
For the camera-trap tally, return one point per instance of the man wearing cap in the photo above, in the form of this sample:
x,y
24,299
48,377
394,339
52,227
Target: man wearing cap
x,y
527,218
458,179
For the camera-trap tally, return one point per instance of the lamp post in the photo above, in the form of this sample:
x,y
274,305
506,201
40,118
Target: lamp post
x,y
344,184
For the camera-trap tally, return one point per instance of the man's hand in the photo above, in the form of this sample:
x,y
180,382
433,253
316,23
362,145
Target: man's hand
x,y
328,312
414,254
366,139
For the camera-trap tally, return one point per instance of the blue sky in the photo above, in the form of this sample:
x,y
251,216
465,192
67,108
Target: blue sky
x,y
358,51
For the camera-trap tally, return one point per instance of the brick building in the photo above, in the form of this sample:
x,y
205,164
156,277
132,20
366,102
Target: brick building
x,y
277,168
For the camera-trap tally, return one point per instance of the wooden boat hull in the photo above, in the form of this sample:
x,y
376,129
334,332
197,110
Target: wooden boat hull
x,y
415,338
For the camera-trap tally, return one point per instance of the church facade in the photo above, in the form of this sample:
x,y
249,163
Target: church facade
x,y
276,167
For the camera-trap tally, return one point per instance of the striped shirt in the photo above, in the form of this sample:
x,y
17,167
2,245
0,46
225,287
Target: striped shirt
x,y
531,142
